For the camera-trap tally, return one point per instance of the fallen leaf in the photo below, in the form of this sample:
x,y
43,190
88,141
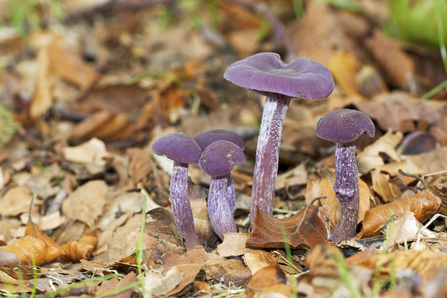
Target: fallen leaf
x,y
266,278
382,186
91,154
78,250
227,271
28,248
258,259
140,164
87,202
115,284
233,244
344,67
304,229
17,201
189,264
423,205
160,284
52,249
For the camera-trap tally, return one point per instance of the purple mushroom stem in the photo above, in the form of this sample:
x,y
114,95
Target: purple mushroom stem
x,y
220,212
181,208
267,155
346,189
231,195
344,127
217,160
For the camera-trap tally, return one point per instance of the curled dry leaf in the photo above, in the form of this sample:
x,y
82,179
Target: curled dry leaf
x,y
29,247
81,249
86,203
189,264
323,187
227,271
258,259
270,279
304,229
423,205
52,249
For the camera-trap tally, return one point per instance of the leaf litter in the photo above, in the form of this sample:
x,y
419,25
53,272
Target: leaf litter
x,y
91,89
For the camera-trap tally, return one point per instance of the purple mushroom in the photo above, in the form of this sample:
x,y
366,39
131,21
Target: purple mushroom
x,y
266,74
206,138
344,127
218,160
183,150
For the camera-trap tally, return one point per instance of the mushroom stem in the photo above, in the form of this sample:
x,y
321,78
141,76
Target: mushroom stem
x,y
181,208
267,155
231,194
346,189
219,211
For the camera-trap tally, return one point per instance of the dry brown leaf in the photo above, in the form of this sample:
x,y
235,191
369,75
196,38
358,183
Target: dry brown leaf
x,y
423,205
227,271
304,229
81,249
430,162
70,65
91,154
324,187
197,198
29,247
392,57
160,284
43,95
233,244
89,125
16,201
189,263
370,157
52,249
258,259
382,186
398,111
344,67
140,164
266,278
87,202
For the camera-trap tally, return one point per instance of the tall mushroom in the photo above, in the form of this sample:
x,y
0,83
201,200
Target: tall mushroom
x,y
206,138
266,74
344,127
183,150
218,160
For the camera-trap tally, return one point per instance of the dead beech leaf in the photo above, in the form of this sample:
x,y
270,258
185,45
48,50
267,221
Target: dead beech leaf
x,y
430,162
324,187
16,201
140,164
91,154
89,125
227,271
369,158
115,284
160,284
52,249
266,278
43,94
29,247
304,229
423,205
381,185
398,111
189,263
258,259
87,202
405,229
233,244
344,66
81,249
391,55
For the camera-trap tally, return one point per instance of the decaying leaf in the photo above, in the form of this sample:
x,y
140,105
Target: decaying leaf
x,y
233,244
161,284
16,201
423,205
115,284
270,279
189,264
81,249
382,186
304,229
91,154
227,271
86,203
29,247
258,259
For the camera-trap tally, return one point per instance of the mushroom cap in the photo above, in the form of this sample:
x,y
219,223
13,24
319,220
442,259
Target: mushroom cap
x,y
344,126
207,137
220,157
267,74
179,147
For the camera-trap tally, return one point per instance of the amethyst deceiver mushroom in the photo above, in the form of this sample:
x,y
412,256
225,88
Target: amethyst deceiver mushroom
x,y
344,127
266,74
206,138
183,150
217,160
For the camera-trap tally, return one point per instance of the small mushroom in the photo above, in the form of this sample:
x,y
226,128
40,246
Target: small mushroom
x,y
344,127
218,160
206,138
183,150
266,74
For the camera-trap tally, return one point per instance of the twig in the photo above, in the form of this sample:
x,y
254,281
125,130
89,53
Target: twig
x,y
30,217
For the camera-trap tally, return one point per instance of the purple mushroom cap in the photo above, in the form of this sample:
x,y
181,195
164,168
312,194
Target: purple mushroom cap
x,y
267,74
207,137
344,126
220,157
179,147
